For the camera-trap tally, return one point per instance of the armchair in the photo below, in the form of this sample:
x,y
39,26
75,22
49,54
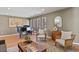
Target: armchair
x,y
66,39
3,46
41,34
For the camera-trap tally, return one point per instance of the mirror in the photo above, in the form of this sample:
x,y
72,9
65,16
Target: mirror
x,y
58,22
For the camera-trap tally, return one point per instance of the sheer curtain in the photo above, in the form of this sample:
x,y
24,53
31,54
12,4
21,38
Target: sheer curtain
x,y
38,23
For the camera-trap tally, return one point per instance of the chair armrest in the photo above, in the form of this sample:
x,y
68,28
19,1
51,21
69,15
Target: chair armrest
x,y
68,42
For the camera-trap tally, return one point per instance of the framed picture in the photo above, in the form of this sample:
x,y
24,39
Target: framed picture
x,y
13,22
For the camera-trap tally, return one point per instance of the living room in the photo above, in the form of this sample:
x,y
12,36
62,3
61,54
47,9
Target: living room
x,y
55,22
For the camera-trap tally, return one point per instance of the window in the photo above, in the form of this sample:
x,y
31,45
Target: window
x,y
38,23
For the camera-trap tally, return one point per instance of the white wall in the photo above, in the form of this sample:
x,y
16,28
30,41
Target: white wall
x,y
76,23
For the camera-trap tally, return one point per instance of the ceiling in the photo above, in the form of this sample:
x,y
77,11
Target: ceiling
x,y
27,11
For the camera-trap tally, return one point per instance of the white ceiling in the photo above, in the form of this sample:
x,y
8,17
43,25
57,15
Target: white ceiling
x,y
28,11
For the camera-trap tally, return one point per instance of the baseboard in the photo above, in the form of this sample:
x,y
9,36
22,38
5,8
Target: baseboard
x,y
8,35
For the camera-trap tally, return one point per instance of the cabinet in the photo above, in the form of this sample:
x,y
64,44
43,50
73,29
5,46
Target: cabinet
x,y
56,35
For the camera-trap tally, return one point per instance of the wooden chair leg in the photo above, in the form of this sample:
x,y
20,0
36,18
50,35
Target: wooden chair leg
x,y
65,48
19,50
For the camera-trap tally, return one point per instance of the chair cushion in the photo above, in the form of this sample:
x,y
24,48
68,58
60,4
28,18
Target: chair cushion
x,y
60,41
41,36
3,48
66,35
41,31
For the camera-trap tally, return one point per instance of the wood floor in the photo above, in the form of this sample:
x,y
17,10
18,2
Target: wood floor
x,y
10,40
14,39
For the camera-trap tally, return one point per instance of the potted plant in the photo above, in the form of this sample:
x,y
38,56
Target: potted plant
x,y
27,37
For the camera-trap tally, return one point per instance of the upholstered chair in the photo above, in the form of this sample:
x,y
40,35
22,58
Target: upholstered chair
x,y
3,46
66,39
41,34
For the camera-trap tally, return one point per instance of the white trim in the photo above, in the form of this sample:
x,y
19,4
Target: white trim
x,y
75,43
8,35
